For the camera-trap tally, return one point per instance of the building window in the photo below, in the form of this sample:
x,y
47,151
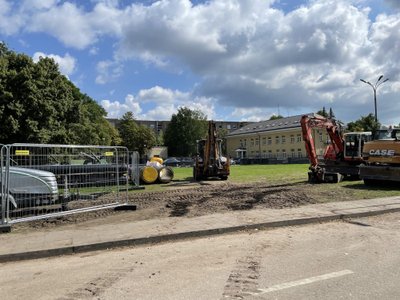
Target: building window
x,y
228,126
299,153
269,141
292,139
245,143
283,139
264,141
277,140
278,154
251,143
269,153
293,153
257,142
283,153
299,138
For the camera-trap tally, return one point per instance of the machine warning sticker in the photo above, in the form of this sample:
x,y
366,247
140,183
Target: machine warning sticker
x,y
109,154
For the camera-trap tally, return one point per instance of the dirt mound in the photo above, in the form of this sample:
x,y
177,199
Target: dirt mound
x,y
199,199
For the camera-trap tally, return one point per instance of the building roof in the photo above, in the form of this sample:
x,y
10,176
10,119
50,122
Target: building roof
x,y
270,125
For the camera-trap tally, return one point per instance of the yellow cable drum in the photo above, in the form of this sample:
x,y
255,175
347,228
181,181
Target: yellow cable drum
x,y
157,159
149,174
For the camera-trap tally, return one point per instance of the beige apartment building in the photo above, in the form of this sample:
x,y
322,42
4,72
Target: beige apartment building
x,y
279,139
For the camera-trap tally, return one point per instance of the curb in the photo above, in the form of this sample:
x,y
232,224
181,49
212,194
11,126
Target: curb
x,y
184,235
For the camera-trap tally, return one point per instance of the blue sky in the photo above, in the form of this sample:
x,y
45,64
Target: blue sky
x,y
234,60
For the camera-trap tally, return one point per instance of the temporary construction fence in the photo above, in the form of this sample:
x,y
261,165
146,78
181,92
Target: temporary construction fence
x,y
41,181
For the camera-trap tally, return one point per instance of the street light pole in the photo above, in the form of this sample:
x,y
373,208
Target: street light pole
x,y
375,87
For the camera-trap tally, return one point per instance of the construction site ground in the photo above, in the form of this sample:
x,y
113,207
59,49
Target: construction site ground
x,y
186,209
187,199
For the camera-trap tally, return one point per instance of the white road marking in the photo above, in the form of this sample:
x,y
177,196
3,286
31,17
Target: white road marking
x,y
291,284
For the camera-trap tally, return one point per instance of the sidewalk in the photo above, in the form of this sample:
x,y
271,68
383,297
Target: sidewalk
x,y
81,238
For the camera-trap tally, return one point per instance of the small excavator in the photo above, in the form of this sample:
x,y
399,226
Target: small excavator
x,y
209,162
343,155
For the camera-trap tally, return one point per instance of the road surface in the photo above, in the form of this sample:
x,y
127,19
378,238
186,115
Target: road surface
x,y
358,259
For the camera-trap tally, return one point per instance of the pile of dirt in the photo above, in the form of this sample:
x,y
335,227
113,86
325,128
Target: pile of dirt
x,y
193,200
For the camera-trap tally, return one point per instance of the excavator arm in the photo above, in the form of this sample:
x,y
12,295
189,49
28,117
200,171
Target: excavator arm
x,y
333,151
209,162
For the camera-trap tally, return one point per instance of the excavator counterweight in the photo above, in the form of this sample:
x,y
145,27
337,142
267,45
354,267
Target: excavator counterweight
x,y
382,158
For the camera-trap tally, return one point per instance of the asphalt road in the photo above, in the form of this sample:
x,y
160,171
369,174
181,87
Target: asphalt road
x,y
339,260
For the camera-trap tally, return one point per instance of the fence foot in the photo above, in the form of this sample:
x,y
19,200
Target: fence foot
x,y
139,187
125,207
5,228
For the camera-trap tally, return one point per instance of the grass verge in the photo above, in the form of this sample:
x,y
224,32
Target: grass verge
x,y
290,174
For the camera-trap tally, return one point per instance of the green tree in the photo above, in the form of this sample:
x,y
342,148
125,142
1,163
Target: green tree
x,y
145,139
221,134
40,105
93,128
128,128
185,128
160,138
366,123
331,114
135,137
276,117
323,112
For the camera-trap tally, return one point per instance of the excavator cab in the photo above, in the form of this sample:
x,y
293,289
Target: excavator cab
x,y
388,134
354,143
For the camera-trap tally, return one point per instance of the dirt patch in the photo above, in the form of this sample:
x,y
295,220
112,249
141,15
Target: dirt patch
x,y
188,200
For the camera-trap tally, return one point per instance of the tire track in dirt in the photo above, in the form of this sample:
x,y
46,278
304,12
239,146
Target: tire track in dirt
x,y
244,278
96,286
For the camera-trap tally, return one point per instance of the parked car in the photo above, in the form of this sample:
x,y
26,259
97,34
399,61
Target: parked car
x,y
187,161
31,186
172,162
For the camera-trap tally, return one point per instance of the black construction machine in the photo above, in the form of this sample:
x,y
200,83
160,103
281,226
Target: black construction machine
x,y
209,161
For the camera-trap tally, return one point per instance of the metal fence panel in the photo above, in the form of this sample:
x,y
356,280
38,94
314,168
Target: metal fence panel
x,y
42,180
135,168
3,185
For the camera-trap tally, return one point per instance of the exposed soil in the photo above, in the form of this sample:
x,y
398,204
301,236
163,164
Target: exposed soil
x,y
188,199
184,199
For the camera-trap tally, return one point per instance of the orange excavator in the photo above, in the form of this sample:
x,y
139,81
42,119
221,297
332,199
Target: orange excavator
x,y
343,154
209,161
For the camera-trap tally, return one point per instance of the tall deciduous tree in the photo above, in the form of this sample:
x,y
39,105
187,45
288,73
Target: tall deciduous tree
x,y
135,137
366,123
40,105
276,117
186,127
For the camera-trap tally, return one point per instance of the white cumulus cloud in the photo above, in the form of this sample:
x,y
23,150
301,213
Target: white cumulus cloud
x,y
66,63
245,54
163,102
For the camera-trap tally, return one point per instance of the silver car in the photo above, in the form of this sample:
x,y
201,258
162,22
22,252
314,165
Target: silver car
x,y
31,187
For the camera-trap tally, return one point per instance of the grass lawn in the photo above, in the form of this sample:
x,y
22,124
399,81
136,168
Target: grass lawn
x,y
250,173
292,174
